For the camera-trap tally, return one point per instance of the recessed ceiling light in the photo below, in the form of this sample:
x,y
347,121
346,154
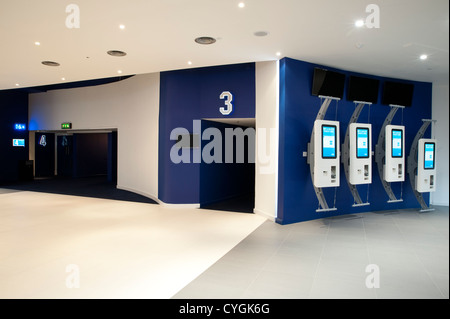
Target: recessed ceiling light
x,y
278,53
190,62
205,40
359,23
17,84
424,57
119,71
50,63
116,53
241,5
261,33
63,79
37,43
121,27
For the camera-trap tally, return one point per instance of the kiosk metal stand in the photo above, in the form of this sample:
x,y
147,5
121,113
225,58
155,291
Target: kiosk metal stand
x,y
310,156
345,159
380,150
412,164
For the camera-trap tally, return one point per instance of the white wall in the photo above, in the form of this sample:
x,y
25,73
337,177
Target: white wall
x,y
267,106
440,113
131,106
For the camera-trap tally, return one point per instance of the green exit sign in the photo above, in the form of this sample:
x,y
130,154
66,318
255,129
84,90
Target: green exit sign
x,y
66,126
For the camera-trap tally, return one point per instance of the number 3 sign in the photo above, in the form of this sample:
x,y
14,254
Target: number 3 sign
x,y
228,97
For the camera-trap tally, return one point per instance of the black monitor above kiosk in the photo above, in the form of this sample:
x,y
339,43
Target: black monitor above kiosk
x,y
361,89
397,93
328,83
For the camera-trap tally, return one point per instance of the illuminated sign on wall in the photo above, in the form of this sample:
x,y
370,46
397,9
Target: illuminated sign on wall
x,y
20,127
66,126
18,142
43,141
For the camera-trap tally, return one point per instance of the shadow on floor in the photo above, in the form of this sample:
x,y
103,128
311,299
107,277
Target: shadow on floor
x,y
97,187
240,204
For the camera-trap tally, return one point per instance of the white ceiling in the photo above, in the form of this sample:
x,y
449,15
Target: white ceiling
x,y
159,36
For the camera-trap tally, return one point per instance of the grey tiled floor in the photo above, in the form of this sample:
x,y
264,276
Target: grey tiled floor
x,y
327,258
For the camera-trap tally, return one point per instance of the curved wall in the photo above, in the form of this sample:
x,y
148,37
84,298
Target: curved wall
x,y
131,106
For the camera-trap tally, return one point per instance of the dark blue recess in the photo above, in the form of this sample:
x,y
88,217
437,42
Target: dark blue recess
x,y
298,109
13,109
194,94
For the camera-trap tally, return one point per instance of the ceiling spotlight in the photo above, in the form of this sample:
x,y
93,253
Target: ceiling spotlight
x,y
205,40
50,63
17,84
190,62
121,27
241,5
63,79
37,43
424,57
278,53
116,53
261,33
119,71
359,23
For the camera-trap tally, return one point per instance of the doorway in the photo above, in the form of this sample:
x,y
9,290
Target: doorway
x,y
229,185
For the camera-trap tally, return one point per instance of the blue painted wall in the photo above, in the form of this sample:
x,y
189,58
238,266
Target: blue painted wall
x,y
194,94
13,109
298,110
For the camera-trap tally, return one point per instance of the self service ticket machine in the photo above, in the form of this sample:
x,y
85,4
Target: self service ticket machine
x,y
360,157
426,166
326,154
422,165
394,166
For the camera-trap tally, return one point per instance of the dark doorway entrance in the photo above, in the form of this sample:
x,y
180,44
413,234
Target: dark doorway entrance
x,y
44,155
228,186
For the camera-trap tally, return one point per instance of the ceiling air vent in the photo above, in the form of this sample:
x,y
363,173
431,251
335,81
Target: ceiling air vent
x,y
205,40
116,53
50,63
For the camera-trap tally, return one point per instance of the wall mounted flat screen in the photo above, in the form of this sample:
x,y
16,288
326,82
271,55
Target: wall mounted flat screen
x,y
397,93
397,143
328,83
428,162
18,142
363,89
362,142
329,141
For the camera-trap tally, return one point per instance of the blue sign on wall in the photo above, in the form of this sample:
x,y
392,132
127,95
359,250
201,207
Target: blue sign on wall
x,y
20,127
18,142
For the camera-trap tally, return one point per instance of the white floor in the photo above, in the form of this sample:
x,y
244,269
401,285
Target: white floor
x,y
132,250
407,253
58,246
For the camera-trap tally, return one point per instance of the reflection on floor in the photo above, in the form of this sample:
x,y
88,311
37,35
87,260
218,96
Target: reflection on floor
x,y
97,186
